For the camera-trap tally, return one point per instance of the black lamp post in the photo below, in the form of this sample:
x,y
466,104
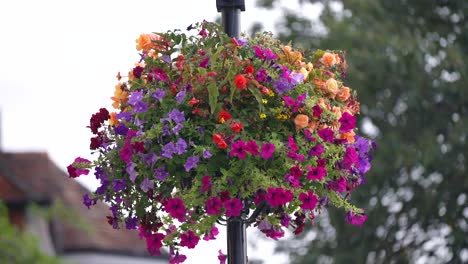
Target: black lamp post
x,y
230,15
236,226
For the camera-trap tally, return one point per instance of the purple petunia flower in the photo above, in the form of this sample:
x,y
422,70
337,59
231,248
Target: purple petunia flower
x,y
121,129
261,75
140,107
87,201
191,163
135,97
166,59
131,171
118,185
125,116
175,115
180,146
180,96
168,150
159,94
146,185
177,128
206,154
160,173
131,223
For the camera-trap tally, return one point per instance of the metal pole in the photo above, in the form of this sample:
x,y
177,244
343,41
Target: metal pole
x,y
236,241
236,237
230,15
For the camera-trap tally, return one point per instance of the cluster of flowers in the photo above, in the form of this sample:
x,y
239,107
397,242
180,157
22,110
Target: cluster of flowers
x,y
208,126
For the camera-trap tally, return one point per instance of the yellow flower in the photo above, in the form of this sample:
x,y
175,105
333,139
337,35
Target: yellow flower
x,y
264,101
271,93
281,117
262,116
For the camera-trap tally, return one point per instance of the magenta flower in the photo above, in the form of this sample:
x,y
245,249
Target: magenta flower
x,y
206,183
309,200
154,243
176,208
239,149
292,144
326,134
355,219
204,63
189,239
347,121
212,234
213,206
74,172
126,153
267,150
177,258
317,150
316,174
252,147
222,257
350,158
233,207
278,196
338,185
317,111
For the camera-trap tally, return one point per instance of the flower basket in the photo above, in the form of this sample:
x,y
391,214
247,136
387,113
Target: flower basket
x,y
208,127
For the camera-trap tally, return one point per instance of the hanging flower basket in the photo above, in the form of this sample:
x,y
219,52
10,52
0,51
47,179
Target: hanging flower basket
x,y
208,127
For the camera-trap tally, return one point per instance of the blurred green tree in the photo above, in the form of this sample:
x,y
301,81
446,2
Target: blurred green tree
x,y
19,247
408,61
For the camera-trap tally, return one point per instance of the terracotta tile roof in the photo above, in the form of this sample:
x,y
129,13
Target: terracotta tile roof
x,y
37,176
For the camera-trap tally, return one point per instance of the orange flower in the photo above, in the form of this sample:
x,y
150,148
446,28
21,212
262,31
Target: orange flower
x,y
301,121
240,81
349,136
120,95
144,43
313,125
328,59
343,94
113,121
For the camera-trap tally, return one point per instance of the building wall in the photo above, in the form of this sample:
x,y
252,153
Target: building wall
x,y
102,258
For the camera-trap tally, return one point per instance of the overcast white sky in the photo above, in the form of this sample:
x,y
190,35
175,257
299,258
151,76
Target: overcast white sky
x,y
58,61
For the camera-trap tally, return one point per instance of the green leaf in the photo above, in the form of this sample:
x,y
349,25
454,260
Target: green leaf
x,y
258,97
213,93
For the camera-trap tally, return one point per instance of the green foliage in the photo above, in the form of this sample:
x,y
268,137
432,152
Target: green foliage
x,y
19,247
407,59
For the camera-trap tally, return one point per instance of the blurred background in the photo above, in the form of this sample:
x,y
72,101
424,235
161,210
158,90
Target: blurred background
x,y
406,58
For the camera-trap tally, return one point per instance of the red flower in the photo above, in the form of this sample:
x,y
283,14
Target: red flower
x,y
240,81
218,139
249,70
236,126
224,116
193,101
